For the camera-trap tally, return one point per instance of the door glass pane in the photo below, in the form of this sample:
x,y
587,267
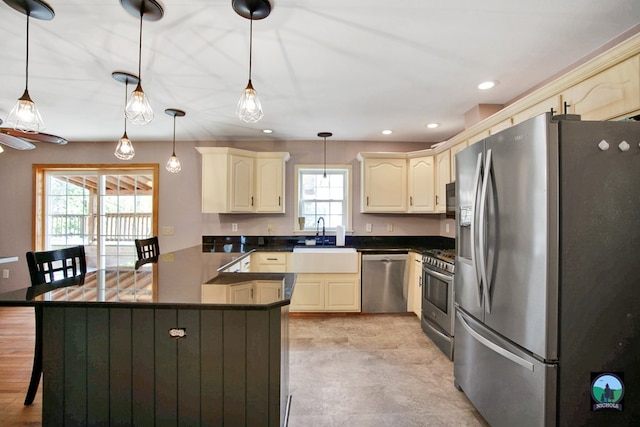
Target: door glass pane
x,y
103,211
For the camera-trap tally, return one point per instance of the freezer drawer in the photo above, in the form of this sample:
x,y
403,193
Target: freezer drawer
x,y
506,385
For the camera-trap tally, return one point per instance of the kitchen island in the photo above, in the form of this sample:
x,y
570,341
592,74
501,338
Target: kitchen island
x,y
143,348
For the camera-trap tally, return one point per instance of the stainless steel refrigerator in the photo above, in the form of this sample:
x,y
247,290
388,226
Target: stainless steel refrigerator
x,y
547,283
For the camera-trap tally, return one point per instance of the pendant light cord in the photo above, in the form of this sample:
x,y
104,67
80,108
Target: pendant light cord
x,y
26,73
126,89
250,42
325,157
174,136
140,45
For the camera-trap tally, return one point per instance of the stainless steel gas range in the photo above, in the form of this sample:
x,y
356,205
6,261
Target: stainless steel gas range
x,y
438,314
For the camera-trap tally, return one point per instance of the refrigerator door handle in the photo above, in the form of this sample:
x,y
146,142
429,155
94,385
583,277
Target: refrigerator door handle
x,y
474,252
494,347
481,233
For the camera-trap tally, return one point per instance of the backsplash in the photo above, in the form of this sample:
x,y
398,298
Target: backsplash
x,y
247,243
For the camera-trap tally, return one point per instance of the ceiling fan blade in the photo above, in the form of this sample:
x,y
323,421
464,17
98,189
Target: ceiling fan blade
x,y
14,142
38,137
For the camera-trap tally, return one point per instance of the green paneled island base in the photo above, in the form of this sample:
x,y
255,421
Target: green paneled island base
x,y
151,347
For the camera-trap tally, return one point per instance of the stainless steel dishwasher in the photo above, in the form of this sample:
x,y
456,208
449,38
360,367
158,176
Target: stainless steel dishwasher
x,y
384,281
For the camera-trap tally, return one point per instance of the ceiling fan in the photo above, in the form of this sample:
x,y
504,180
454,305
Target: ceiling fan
x,y
23,140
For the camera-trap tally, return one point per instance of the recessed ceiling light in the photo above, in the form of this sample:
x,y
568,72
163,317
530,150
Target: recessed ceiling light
x,y
387,132
267,131
433,125
486,85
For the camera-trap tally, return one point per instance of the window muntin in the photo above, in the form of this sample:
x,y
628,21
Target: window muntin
x,y
327,197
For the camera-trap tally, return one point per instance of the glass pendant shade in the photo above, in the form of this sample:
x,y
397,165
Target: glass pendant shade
x,y
138,109
25,115
173,165
124,149
249,108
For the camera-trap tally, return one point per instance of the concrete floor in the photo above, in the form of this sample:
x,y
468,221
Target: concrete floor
x,y
377,370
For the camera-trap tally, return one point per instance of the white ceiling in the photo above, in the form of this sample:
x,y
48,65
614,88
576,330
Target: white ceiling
x,y
351,67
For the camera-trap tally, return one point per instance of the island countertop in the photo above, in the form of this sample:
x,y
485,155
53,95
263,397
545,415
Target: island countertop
x,y
177,280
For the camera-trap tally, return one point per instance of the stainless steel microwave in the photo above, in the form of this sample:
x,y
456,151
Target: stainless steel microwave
x,y
451,200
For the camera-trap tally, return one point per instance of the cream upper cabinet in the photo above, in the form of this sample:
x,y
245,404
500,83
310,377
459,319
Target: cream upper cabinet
x,y
242,181
421,184
453,151
501,126
384,182
609,94
443,177
545,106
270,188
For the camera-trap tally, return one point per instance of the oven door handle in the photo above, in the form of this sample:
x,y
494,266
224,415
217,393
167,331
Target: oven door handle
x,y
437,332
444,277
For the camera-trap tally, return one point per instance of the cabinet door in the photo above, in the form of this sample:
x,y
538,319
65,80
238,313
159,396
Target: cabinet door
x,y
241,294
342,292
384,187
241,183
268,291
417,286
443,177
421,185
610,94
270,184
308,294
414,301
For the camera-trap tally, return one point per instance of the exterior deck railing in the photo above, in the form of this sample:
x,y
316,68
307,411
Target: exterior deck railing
x,y
115,227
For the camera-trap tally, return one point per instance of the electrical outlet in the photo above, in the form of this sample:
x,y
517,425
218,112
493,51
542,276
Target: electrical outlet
x,y
234,227
167,230
368,227
5,273
270,227
389,227
446,228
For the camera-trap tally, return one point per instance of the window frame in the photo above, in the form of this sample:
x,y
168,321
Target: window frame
x,y
345,169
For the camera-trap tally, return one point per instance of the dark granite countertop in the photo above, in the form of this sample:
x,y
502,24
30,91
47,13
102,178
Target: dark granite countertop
x,y
176,280
244,244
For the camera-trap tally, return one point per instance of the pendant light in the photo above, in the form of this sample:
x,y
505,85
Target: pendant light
x,y
25,116
249,108
325,135
173,165
124,149
138,109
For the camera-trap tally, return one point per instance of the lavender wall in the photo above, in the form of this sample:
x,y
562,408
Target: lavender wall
x,y
179,199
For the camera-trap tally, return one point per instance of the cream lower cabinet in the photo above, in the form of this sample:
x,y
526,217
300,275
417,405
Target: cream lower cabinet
x,y
242,181
241,294
326,292
269,262
267,291
414,301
